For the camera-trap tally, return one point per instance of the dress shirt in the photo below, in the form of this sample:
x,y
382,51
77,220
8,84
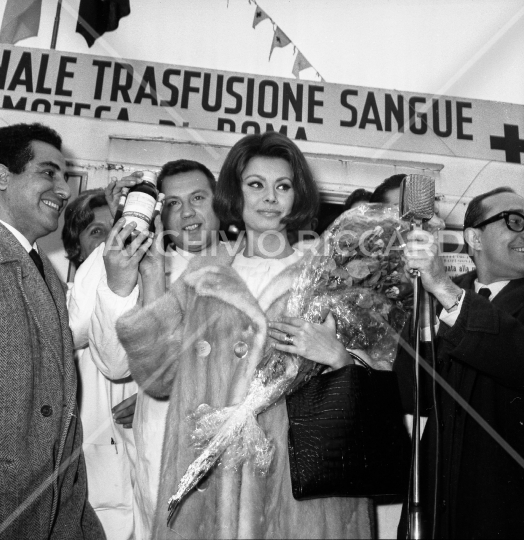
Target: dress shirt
x,y
451,318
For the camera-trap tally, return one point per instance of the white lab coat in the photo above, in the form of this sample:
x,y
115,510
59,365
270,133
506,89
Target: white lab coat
x,y
109,449
111,360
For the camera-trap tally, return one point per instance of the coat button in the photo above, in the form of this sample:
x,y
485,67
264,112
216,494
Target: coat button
x,y
240,348
203,348
46,410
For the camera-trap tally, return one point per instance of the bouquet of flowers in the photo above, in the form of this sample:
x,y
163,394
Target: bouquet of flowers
x,y
356,272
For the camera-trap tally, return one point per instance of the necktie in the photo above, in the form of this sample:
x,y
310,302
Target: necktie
x,y
38,262
485,292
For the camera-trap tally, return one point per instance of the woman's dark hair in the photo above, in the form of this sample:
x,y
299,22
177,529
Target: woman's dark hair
x,y
229,200
476,211
182,166
15,144
389,184
359,195
77,216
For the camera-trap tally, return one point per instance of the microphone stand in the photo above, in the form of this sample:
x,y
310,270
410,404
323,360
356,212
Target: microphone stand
x,y
415,510
416,205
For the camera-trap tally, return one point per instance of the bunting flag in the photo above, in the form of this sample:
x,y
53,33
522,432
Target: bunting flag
x,y
95,17
301,63
279,40
21,20
260,15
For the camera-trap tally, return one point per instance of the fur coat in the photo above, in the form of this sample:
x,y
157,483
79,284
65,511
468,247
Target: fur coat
x,y
185,345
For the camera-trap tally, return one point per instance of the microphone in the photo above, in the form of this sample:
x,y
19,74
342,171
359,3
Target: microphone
x,y
417,199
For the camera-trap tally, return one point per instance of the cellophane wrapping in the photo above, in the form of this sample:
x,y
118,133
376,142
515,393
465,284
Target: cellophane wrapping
x,y
355,271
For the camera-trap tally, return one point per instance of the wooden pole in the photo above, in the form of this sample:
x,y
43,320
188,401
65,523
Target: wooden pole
x,y
56,25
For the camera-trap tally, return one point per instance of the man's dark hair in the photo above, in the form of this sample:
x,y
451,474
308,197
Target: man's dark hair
x,y
229,200
359,195
182,166
381,191
15,144
77,216
476,210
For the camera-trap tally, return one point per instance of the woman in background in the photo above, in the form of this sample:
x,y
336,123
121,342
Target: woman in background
x,y
106,407
201,342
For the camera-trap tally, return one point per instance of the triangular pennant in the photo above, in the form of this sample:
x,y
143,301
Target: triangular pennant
x,y
260,15
301,63
279,40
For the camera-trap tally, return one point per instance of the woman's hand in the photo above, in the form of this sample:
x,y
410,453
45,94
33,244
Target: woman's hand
x,y
114,189
122,261
317,342
124,412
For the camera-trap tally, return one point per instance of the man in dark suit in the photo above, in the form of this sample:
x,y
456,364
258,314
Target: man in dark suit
x,y
43,491
480,377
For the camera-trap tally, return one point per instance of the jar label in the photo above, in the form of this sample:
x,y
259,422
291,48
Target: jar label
x,y
139,208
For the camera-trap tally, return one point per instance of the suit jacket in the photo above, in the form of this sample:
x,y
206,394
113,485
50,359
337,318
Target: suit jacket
x,y
186,345
481,471
42,471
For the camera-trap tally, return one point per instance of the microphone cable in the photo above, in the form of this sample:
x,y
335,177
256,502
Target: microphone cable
x,y
437,414
416,320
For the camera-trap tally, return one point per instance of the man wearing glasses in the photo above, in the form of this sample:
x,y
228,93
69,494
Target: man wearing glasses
x,y
477,426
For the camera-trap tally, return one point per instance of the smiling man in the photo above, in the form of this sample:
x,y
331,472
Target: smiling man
x,y
42,472
191,230
480,352
188,217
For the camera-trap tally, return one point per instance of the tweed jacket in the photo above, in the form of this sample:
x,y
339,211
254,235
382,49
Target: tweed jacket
x,y
42,471
481,418
186,345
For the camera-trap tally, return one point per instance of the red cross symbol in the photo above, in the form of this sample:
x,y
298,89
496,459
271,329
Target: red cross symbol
x,y
510,143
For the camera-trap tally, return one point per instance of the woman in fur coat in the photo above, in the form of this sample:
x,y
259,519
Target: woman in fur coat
x,y
201,342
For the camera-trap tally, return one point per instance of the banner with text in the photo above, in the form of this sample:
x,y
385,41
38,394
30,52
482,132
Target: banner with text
x,y
131,90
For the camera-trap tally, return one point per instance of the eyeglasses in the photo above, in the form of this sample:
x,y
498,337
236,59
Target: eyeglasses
x,y
514,221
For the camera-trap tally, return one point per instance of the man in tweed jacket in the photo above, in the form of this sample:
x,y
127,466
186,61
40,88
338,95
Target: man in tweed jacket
x,y
43,492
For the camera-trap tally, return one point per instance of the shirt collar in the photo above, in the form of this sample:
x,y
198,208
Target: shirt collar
x,y
173,257
495,288
20,237
186,254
